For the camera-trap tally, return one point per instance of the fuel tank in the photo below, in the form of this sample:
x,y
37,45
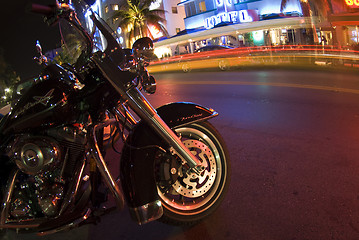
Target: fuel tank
x,y
48,102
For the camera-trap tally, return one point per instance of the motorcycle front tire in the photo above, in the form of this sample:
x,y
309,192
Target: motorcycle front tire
x,y
193,197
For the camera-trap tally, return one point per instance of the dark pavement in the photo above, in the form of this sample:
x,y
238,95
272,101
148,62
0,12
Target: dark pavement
x,y
293,137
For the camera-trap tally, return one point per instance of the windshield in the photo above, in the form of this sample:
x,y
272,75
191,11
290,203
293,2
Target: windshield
x,y
74,44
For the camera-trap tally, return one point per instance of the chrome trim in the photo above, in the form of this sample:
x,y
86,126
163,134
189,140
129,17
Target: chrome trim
x,y
148,113
19,225
7,199
101,165
79,178
67,226
147,213
139,104
70,196
214,114
125,115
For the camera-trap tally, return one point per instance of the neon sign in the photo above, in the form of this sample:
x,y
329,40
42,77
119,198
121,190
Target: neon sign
x,y
226,3
226,13
156,33
242,16
352,3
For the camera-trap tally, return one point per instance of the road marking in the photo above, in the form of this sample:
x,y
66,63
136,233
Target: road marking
x,y
290,85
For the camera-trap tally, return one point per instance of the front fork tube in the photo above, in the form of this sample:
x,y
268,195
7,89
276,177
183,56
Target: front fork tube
x,y
101,165
124,115
144,109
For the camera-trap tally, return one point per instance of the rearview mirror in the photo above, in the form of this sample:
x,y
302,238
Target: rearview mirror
x,y
143,49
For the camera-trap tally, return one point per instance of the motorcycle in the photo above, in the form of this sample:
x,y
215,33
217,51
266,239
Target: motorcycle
x,y
174,165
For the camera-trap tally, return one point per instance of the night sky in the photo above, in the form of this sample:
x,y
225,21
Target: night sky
x,y
19,31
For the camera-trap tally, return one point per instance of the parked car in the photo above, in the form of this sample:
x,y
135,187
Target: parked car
x,y
271,16
212,48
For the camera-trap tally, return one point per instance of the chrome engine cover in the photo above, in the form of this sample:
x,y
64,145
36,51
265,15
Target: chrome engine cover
x,y
34,155
46,164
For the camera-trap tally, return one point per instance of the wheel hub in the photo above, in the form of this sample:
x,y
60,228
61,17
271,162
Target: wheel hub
x,y
195,185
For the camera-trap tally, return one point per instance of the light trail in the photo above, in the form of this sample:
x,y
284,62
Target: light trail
x,y
288,85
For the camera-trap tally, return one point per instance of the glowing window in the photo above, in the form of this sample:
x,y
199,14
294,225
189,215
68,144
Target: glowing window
x,y
202,6
114,20
114,7
190,9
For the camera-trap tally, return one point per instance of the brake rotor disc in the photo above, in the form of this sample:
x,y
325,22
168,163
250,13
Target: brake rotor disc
x,y
195,185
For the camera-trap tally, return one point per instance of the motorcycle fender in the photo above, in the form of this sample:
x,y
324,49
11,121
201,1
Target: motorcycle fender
x,y
138,159
182,113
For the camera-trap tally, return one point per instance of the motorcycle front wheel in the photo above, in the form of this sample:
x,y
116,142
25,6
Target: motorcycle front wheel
x,y
191,197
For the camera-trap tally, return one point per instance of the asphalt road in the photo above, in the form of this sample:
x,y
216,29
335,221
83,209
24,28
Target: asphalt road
x,y
293,137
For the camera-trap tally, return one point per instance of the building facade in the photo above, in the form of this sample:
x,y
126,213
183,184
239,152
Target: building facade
x,y
210,13
239,23
174,15
192,24
105,9
344,19
245,23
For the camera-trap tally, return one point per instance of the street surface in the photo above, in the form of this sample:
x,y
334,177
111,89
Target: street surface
x,y
293,138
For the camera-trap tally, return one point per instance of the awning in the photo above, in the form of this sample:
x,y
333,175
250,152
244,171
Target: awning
x,y
346,19
184,2
240,28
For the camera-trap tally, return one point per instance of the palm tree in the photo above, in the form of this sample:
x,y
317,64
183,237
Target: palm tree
x,y
136,18
8,77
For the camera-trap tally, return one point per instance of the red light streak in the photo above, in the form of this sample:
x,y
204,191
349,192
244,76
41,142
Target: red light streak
x,y
248,51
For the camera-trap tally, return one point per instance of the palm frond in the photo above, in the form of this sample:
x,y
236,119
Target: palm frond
x,y
135,18
283,5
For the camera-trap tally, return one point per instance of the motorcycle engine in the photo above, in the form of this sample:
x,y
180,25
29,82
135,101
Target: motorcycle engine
x,y
34,155
45,169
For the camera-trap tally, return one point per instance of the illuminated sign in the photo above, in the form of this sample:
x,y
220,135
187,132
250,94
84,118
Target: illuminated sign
x,y
258,36
156,33
241,16
352,3
224,5
226,14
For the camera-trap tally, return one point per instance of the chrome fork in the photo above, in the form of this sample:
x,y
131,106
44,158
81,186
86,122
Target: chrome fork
x,y
147,113
122,83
